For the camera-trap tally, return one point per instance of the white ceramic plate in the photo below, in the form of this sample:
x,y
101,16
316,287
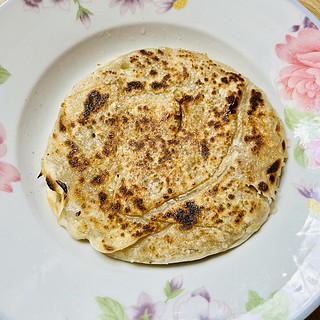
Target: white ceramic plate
x,y
46,46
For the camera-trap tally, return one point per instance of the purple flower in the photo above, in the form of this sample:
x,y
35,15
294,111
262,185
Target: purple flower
x,y
164,5
83,14
85,19
307,23
201,292
32,3
310,192
176,283
145,309
125,5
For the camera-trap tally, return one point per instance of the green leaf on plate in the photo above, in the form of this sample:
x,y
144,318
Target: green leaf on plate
x,y
111,309
292,117
277,307
79,13
169,293
254,300
272,294
87,11
4,74
300,155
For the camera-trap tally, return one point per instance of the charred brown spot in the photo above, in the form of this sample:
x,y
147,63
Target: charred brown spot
x,y
62,127
78,213
283,145
125,191
116,206
50,183
188,98
185,73
153,72
62,185
74,148
231,196
166,78
146,53
106,247
134,85
224,80
219,221
127,209
138,202
137,234
96,180
204,149
232,103
263,186
274,167
255,100
187,216
272,178
102,197
93,103
257,139
147,228
157,85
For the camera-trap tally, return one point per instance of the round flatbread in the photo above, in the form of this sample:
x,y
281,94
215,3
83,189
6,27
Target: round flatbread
x,y
163,155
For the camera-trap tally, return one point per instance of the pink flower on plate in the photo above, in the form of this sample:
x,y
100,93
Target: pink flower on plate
x,y
8,173
301,78
198,305
313,148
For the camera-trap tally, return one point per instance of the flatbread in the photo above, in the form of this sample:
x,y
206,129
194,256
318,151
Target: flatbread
x,y
162,156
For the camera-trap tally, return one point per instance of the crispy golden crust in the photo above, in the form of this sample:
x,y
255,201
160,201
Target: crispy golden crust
x,y
162,156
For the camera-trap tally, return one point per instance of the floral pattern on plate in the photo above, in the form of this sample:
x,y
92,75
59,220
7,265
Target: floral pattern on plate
x,y
4,74
300,85
162,5
181,304
8,173
312,193
83,14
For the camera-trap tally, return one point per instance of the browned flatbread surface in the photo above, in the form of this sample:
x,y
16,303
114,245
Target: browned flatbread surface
x,y
163,155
